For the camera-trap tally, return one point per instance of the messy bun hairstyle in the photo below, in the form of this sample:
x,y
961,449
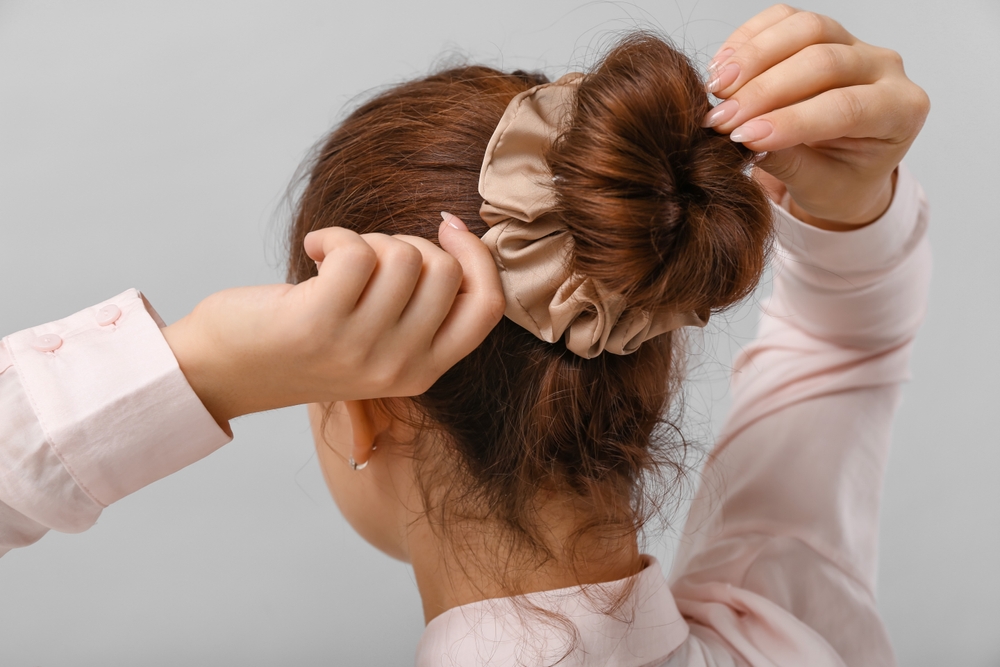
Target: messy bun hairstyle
x,y
660,209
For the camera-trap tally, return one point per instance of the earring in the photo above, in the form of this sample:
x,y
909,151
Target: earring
x,y
355,466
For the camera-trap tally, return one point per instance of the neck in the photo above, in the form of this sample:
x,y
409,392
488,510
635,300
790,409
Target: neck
x,y
471,563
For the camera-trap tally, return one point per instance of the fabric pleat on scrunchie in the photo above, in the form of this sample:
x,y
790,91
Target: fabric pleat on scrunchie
x,y
533,249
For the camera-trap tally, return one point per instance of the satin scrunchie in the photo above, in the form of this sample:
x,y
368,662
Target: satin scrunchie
x,y
533,249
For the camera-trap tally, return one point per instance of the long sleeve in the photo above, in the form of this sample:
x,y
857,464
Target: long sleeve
x,y
92,408
778,558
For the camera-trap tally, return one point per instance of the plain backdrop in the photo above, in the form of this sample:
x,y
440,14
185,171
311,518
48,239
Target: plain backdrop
x,y
149,145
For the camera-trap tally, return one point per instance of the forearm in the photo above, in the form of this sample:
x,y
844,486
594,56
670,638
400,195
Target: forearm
x,y
207,381
864,288
802,453
37,492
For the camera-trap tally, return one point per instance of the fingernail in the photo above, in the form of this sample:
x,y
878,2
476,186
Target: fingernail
x,y
717,59
755,130
318,265
721,114
453,221
723,78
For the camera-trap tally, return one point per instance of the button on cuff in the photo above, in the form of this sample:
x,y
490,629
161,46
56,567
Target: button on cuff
x,y
47,343
108,315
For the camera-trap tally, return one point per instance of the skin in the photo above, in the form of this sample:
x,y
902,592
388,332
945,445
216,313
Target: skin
x,y
383,504
386,316
836,117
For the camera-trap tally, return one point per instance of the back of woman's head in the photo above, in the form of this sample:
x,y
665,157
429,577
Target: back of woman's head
x,y
660,210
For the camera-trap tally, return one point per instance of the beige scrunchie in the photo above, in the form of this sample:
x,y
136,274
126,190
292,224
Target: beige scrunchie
x,y
533,249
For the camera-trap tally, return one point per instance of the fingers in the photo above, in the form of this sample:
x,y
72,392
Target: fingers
x,y
423,307
772,45
801,77
480,302
341,280
322,242
834,114
751,28
434,294
393,281
813,70
860,112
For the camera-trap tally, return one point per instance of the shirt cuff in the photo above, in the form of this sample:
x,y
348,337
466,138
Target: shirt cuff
x,y
111,399
872,247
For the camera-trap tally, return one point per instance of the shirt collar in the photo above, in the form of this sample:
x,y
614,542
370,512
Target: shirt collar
x,y
504,632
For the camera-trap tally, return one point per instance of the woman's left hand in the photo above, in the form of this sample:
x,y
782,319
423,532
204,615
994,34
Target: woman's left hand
x,y
836,115
384,316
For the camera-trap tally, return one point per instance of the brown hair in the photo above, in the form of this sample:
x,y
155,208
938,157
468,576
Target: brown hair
x,y
660,210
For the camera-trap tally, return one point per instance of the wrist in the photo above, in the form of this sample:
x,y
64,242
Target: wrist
x,y
201,371
881,200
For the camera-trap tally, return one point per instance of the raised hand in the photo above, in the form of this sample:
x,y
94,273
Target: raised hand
x,y
386,316
836,115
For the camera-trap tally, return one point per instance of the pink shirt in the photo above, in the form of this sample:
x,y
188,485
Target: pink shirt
x,y
777,562
101,416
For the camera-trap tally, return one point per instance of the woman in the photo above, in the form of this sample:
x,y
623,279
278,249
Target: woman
x,y
518,495
518,484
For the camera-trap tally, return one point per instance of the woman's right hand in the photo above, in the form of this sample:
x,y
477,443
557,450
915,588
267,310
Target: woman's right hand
x,y
836,115
386,316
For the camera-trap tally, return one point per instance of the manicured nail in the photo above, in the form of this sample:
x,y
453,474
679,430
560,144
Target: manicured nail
x,y
723,113
755,130
723,78
453,221
717,59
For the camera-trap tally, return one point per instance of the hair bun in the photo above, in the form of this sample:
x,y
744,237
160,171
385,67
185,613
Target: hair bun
x,y
661,210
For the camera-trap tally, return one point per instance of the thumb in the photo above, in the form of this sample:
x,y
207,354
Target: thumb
x,y
816,178
480,302
453,221
823,186
460,243
480,276
774,187
784,165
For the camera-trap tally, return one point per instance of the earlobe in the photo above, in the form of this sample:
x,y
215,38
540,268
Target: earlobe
x,y
363,432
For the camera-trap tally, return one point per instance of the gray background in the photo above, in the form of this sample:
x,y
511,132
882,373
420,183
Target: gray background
x,y
149,145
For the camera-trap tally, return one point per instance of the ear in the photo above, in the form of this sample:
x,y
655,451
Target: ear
x,y
363,430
